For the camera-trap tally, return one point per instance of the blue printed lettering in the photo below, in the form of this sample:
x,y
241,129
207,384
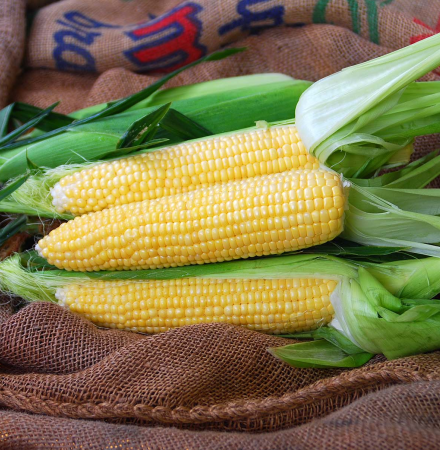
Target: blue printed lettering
x,y
254,21
74,40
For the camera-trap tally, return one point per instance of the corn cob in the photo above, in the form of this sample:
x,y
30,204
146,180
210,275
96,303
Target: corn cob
x,y
354,309
274,306
182,168
264,215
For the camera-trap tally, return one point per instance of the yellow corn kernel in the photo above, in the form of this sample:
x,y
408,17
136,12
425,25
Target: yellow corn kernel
x,y
274,306
239,219
182,168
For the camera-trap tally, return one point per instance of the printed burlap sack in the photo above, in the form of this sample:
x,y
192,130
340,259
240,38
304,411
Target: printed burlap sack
x,y
141,35
183,388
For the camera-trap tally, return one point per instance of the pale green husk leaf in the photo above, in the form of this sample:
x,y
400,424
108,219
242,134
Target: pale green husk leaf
x,y
373,315
364,109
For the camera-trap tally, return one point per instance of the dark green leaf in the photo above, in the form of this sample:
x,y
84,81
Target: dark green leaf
x,y
12,228
5,115
52,121
13,135
124,104
8,190
182,126
31,165
15,123
127,150
135,135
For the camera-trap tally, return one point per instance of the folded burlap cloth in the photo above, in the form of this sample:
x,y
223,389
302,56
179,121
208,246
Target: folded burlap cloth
x,y
185,388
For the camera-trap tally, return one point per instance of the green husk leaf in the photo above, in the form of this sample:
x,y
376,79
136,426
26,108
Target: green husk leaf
x,y
319,354
418,313
410,279
5,115
330,335
136,133
373,220
182,126
25,112
362,315
10,188
364,107
8,140
423,201
12,228
219,112
31,165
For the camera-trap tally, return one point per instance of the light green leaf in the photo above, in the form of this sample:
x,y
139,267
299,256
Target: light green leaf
x,y
354,102
318,354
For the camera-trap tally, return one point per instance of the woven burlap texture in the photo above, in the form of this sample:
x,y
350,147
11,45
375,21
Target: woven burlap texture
x,y
400,417
138,35
205,377
12,31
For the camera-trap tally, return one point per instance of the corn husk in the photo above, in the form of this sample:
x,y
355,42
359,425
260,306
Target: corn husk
x,y
362,117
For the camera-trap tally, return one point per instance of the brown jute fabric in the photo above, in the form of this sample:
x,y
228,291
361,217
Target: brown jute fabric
x,y
12,29
183,388
142,34
209,376
400,417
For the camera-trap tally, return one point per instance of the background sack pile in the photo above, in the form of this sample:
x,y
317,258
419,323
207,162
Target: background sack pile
x,y
182,388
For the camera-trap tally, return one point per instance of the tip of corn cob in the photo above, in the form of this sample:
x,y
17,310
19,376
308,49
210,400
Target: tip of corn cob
x,y
59,197
60,295
38,249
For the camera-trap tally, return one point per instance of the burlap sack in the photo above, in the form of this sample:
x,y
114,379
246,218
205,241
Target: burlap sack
x,y
211,376
12,28
400,417
140,35
207,377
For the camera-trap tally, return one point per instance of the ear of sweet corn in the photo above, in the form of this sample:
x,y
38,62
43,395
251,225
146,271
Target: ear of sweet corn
x,y
357,307
274,295
264,215
273,306
182,168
